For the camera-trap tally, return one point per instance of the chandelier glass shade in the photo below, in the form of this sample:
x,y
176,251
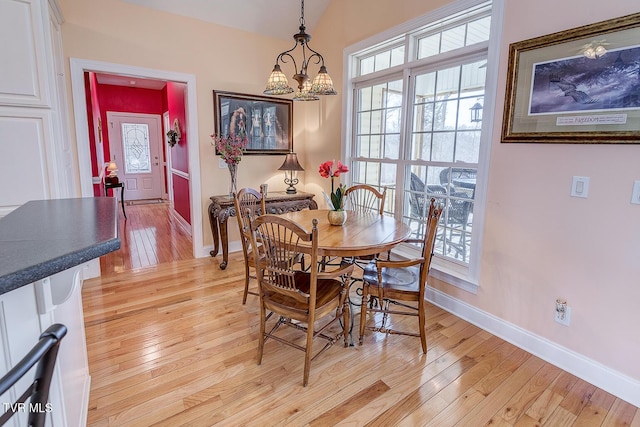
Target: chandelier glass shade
x,y
308,90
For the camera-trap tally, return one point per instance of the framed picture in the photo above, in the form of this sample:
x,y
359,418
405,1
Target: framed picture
x,y
267,122
576,86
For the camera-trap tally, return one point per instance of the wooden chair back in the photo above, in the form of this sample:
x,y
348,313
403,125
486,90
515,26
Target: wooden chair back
x,y
365,198
248,204
44,354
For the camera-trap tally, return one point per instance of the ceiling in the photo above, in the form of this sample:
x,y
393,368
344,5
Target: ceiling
x,y
274,18
283,21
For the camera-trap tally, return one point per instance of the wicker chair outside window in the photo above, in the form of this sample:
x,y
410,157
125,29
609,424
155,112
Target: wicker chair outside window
x,y
299,299
397,283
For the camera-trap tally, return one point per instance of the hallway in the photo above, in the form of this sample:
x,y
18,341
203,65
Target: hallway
x,y
149,236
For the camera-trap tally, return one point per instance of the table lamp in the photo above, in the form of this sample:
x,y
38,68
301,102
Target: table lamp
x,y
113,176
291,168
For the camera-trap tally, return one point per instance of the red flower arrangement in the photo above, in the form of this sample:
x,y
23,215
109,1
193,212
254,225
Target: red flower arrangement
x,y
336,202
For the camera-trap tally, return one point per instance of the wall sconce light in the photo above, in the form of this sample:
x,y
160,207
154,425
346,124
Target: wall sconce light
x,y
174,134
113,176
476,112
291,168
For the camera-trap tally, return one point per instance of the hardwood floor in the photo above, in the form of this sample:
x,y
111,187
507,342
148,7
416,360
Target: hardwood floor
x,y
149,236
172,345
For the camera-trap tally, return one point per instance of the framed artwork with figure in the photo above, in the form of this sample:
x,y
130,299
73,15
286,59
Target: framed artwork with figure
x,y
267,122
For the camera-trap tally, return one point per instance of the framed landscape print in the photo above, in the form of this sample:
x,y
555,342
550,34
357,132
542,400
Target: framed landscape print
x,y
267,122
576,86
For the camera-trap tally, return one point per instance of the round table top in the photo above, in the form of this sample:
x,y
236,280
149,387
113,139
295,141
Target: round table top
x,y
362,234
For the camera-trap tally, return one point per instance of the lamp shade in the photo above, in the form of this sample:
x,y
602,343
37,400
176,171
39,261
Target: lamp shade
x,y
291,163
277,83
112,168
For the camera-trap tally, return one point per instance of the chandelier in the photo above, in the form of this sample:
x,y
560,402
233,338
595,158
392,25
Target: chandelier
x,y
307,90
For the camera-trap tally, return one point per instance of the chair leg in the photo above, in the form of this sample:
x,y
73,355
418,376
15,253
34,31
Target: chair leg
x,y
246,282
421,325
263,321
346,320
307,353
363,311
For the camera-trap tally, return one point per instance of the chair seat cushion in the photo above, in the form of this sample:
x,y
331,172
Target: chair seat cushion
x,y
328,290
397,279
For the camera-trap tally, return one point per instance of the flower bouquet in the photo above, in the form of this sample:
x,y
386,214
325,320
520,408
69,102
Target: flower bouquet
x,y
230,149
337,215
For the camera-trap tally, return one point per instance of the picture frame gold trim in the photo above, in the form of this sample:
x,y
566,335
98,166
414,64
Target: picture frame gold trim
x,y
565,111
266,121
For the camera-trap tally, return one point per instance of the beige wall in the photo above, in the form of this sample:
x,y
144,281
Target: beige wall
x,y
221,58
539,244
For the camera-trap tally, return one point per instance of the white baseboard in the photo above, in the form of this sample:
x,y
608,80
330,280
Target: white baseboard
x,y
182,223
234,246
614,382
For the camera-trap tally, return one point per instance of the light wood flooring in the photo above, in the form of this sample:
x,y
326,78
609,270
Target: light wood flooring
x,y
149,236
172,345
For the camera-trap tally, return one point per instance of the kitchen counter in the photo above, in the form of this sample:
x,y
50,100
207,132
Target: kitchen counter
x,y
44,237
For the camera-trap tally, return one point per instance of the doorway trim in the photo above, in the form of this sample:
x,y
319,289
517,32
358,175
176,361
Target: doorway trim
x,y
78,67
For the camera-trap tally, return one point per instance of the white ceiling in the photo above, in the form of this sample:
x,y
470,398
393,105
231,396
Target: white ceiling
x,y
135,82
275,18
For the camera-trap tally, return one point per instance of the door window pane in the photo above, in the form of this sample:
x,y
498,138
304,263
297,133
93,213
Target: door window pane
x,y
135,143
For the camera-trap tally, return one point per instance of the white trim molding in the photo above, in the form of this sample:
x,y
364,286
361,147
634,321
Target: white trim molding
x,y
614,382
78,68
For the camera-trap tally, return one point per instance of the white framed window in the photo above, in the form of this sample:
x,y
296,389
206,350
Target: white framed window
x,y
417,99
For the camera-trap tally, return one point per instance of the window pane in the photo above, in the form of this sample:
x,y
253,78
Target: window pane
x,y
421,146
478,31
364,122
362,146
425,87
382,61
392,146
364,99
366,65
467,146
397,56
429,46
445,115
443,146
135,141
453,39
378,96
448,82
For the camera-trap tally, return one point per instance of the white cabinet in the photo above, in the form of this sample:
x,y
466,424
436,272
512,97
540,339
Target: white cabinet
x,y
37,159
28,311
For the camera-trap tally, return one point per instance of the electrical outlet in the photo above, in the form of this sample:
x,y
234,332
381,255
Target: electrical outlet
x,y
562,313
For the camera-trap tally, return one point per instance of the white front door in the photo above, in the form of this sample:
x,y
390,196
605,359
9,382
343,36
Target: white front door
x,y
134,143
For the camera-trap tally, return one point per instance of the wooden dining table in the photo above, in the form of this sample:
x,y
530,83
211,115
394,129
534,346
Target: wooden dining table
x,y
362,234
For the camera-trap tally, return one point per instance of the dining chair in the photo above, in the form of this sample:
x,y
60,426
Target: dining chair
x,y
365,198
298,299
44,354
400,284
248,202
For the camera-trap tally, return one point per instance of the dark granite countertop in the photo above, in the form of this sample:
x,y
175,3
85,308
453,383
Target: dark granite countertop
x,y
44,237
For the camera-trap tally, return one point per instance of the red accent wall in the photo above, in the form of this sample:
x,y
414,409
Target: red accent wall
x,y
175,103
126,100
181,197
179,152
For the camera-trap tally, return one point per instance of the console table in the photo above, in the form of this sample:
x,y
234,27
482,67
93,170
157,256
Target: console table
x,y
277,202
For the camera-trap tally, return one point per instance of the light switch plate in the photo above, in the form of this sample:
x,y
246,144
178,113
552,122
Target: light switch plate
x,y
580,186
635,194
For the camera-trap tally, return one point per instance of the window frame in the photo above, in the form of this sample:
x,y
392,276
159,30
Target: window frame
x,y
462,276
